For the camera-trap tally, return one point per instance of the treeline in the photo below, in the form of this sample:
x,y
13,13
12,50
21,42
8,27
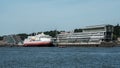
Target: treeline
x,y
53,33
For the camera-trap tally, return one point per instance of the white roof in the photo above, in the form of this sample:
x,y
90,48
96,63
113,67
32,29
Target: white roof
x,y
96,26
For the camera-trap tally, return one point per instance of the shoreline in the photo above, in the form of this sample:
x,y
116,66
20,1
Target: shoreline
x,y
63,46
103,44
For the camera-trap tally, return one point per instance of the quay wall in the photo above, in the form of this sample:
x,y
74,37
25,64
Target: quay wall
x,y
105,44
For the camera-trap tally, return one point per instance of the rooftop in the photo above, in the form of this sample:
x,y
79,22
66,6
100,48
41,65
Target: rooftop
x,y
96,26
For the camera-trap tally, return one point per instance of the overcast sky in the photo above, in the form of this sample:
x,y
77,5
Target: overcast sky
x,y
26,16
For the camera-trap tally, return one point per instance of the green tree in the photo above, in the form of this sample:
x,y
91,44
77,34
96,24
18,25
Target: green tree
x,y
52,33
1,38
23,35
77,30
116,32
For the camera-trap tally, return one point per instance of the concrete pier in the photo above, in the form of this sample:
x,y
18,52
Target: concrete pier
x,y
105,44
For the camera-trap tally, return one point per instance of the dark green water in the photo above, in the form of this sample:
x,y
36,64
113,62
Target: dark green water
x,y
54,57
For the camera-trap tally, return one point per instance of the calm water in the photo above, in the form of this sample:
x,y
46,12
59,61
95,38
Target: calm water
x,y
54,57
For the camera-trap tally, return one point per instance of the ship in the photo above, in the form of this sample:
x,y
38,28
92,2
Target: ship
x,y
38,40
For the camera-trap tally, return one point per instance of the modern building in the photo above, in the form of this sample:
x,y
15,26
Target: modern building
x,y
90,35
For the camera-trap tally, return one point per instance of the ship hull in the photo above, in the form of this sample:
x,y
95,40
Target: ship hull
x,y
39,44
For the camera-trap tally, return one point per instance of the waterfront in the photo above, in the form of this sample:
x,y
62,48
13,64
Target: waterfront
x,y
55,57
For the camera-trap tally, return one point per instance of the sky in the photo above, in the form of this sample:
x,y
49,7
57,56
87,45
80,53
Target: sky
x,y
27,16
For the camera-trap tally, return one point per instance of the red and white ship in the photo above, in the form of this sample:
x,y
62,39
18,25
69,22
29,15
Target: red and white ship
x,y
38,40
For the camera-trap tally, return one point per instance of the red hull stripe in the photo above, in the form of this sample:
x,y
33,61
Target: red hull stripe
x,y
38,43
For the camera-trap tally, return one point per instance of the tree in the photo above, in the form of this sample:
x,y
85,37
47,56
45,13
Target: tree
x,y
77,30
1,38
52,33
116,32
23,35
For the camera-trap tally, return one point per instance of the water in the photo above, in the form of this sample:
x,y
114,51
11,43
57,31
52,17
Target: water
x,y
54,57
